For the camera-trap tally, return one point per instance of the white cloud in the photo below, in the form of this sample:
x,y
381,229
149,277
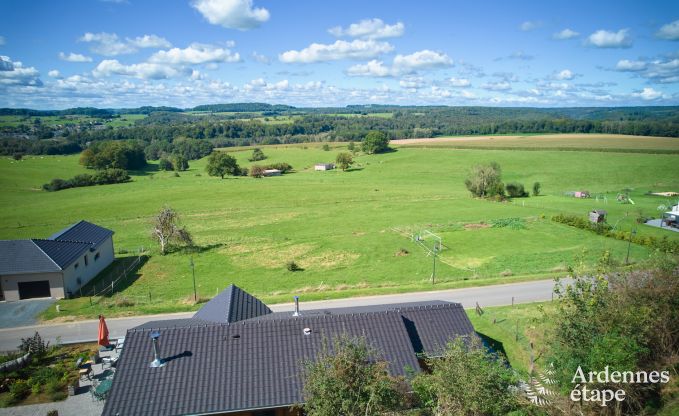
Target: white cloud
x,y
74,57
149,41
669,31
565,74
107,44
318,52
528,25
402,64
566,34
144,70
460,82
194,54
369,29
518,55
412,82
648,94
262,59
14,73
607,39
54,73
232,14
424,59
627,65
373,68
497,86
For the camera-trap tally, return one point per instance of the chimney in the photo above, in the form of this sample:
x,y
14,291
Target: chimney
x,y
157,362
296,313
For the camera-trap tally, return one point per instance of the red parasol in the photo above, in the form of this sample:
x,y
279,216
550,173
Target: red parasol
x,y
102,339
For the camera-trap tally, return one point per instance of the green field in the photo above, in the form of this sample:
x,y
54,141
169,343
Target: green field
x,y
345,229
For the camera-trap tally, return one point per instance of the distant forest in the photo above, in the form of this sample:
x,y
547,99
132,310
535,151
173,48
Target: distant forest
x,y
241,124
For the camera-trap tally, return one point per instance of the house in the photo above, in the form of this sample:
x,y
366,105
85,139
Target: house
x,y
597,216
324,166
236,357
54,267
272,172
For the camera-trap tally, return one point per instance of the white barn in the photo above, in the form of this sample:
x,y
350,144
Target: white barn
x,y
324,166
57,266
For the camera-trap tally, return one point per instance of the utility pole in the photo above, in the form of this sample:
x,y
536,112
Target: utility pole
x,y
629,244
433,272
193,272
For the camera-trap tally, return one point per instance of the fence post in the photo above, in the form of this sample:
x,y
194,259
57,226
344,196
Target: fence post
x,y
512,301
149,296
517,330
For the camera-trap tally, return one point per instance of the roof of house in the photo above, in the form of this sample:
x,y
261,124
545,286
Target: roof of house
x,y
256,363
232,305
53,254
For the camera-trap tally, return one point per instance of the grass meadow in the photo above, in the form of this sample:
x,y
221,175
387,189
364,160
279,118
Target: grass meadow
x,y
349,231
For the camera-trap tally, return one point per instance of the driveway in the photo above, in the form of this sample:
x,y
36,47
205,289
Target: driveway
x,y
22,312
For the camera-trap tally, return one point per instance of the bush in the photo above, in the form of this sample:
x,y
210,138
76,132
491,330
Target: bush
x,y
17,156
102,177
257,155
19,390
536,188
516,190
485,181
292,266
257,171
282,166
35,345
326,147
165,164
180,162
54,385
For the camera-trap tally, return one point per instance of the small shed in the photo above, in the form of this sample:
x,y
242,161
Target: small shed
x,y
324,166
597,216
671,218
581,194
272,172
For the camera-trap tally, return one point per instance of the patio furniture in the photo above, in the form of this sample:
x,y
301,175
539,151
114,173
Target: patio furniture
x,y
109,361
100,391
119,344
85,371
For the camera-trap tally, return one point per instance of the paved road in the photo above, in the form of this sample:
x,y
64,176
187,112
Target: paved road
x,y
22,312
497,295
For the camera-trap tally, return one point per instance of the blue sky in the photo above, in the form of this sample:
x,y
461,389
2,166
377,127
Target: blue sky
x,y
326,53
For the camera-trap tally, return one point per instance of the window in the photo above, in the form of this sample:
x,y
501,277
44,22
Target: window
x,y
75,266
85,259
96,257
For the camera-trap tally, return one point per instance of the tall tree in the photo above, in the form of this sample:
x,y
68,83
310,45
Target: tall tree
x,y
221,164
375,142
344,160
167,230
348,379
485,180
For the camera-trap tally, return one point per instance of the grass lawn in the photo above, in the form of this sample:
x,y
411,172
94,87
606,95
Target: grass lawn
x,y
512,329
347,230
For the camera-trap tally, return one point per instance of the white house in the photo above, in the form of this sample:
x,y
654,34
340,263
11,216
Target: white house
x,y
57,266
324,166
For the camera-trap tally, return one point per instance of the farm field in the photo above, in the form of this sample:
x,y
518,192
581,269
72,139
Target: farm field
x,y
349,231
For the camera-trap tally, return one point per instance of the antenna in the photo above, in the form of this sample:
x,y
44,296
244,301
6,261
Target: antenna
x,y
157,362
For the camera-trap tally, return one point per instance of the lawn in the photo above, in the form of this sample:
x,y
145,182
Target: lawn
x,y
349,231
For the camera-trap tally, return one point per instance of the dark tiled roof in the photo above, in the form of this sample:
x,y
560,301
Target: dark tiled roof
x,y
257,362
83,231
63,253
24,256
232,305
246,365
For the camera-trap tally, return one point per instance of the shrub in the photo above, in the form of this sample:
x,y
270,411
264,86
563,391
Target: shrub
x,y
292,266
282,166
257,171
54,385
180,162
326,147
55,184
257,155
53,412
19,390
35,345
17,156
165,164
516,190
485,181
536,188
102,177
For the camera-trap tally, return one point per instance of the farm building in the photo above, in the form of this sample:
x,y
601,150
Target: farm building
x,y
272,172
597,216
54,267
581,194
237,357
324,166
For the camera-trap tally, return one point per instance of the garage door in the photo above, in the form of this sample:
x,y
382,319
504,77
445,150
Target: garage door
x,y
38,289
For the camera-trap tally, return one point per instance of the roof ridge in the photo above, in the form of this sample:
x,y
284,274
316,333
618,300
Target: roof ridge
x,y
46,255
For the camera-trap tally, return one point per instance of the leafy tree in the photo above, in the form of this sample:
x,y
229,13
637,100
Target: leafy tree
x,y
467,380
114,154
180,162
165,164
221,164
351,147
167,231
375,142
257,171
257,155
347,380
326,147
536,188
516,190
344,160
485,180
